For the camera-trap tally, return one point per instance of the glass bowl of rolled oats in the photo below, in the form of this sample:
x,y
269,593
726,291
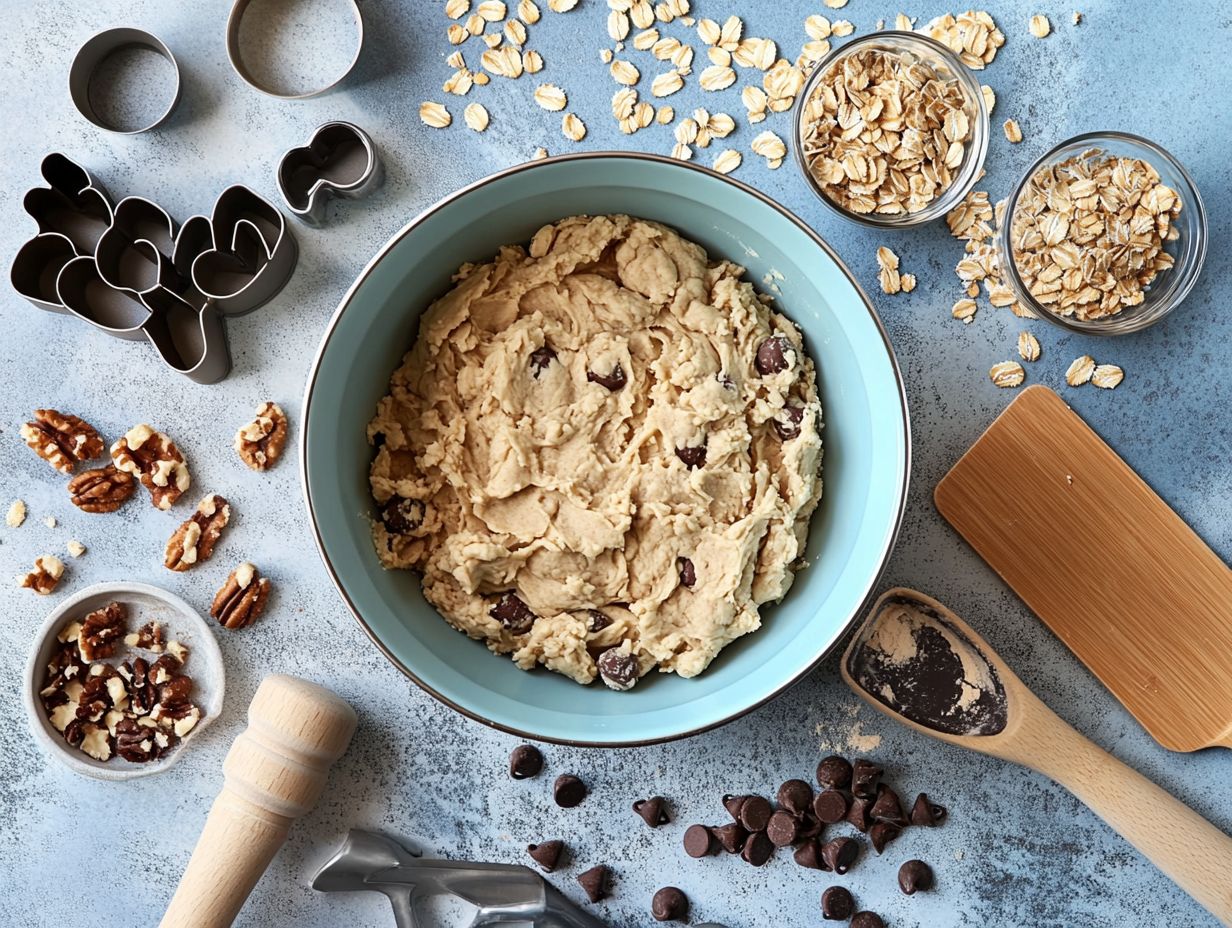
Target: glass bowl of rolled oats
x,y
891,130
1105,234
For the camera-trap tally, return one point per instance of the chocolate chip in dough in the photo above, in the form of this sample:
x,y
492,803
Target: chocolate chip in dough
x,y
699,842
837,904
787,424
402,515
755,813
688,575
596,882
830,807
915,876
568,791
926,813
857,814
731,837
865,776
782,829
669,905
838,855
693,457
796,797
888,808
757,850
618,669
867,920
546,854
525,762
514,614
653,811
540,358
774,355
834,772
733,803
881,834
598,620
808,855
613,381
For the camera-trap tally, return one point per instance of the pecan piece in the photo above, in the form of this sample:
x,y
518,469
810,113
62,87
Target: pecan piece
x,y
194,540
259,443
103,489
156,461
48,569
141,743
101,631
242,597
63,441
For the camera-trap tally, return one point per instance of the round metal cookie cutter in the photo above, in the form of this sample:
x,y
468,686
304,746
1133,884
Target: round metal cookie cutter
x,y
235,23
96,50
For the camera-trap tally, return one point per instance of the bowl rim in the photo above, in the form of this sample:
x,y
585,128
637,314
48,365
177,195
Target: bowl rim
x,y
889,543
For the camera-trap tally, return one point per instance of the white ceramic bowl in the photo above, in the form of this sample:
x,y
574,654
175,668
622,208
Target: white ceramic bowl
x,y
145,603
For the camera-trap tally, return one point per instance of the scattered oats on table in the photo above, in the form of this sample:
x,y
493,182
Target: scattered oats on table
x,y
1007,374
456,9
904,23
727,161
617,25
717,77
476,117
434,115
754,52
1012,132
492,11
835,4
666,84
888,276
964,310
1107,376
1040,26
990,98
842,28
551,97
1028,346
770,147
572,126
539,154
1080,371
625,72
665,115
532,62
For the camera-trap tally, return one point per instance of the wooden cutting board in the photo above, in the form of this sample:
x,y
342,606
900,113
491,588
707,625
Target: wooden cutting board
x,y
1109,567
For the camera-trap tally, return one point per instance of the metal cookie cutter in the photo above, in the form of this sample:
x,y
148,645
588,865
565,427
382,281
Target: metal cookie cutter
x,y
235,54
98,49
501,894
340,160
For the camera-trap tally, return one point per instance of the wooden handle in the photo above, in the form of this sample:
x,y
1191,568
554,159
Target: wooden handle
x,y
1191,851
273,774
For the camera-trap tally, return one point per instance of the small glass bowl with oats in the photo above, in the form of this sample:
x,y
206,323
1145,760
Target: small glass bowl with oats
x,y
891,130
1105,235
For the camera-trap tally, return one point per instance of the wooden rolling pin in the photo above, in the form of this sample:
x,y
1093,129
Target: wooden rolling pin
x,y
274,773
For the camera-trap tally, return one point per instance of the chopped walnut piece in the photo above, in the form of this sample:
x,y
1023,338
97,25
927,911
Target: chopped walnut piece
x,y
193,542
101,631
75,547
242,597
96,742
104,489
148,638
140,743
260,442
143,693
62,440
48,569
16,514
155,459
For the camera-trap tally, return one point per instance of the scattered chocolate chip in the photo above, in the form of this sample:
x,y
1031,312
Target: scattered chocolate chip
x,y
613,381
688,575
796,797
401,515
731,837
755,813
857,814
915,876
596,882
732,804
867,920
808,855
839,854
782,829
514,614
653,811
924,812
525,762
774,355
865,775
669,905
568,791
830,806
888,808
834,772
692,457
540,358
837,904
810,826
881,834
757,850
598,621
618,669
787,425
699,842
546,854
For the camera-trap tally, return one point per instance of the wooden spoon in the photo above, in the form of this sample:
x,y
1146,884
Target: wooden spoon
x,y
917,662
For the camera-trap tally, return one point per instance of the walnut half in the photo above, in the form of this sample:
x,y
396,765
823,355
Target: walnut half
x,y
63,441
155,459
101,631
194,540
259,443
103,489
242,598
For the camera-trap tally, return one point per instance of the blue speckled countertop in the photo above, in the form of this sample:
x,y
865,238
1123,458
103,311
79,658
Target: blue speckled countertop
x,y
1017,851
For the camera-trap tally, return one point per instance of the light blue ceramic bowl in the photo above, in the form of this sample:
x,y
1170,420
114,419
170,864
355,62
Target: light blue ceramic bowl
x,y
866,437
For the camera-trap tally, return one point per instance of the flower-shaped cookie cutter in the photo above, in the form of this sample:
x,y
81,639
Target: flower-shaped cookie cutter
x,y
135,276
340,160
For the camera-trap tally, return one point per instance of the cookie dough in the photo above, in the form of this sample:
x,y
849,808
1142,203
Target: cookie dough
x,y
602,453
